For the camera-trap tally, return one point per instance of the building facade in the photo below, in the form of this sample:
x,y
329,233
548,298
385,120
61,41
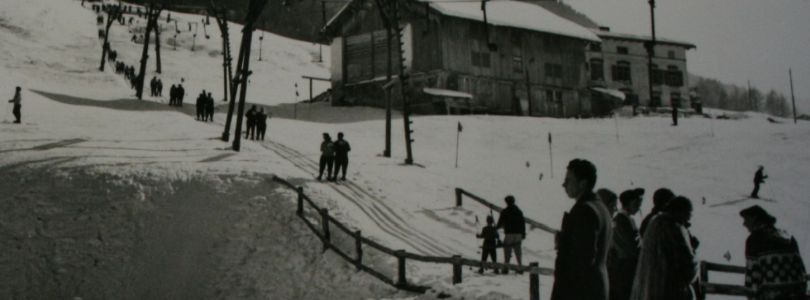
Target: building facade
x,y
513,64
621,63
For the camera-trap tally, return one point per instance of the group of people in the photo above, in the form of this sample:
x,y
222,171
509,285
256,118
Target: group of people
x,y
205,107
176,94
602,254
156,87
256,123
334,157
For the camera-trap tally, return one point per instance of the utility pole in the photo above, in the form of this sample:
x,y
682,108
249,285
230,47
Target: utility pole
x,y
255,8
651,52
152,13
792,96
221,17
385,16
403,86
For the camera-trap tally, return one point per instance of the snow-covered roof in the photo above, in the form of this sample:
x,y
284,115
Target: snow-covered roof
x,y
446,93
514,14
642,38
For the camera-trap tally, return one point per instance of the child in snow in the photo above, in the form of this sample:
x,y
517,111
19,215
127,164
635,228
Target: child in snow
x,y
491,241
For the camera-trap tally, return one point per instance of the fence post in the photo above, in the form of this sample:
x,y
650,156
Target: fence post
x,y
534,281
300,210
458,197
401,281
325,225
456,269
704,277
358,244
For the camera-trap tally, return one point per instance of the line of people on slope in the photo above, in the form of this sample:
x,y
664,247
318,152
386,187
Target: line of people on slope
x,y
602,254
256,120
334,157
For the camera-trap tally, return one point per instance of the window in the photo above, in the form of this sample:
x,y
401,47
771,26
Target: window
x,y
671,54
597,69
517,64
480,59
553,70
657,75
621,71
621,50
595,47
674,76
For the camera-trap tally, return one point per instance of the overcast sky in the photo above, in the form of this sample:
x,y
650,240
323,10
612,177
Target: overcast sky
x,y
737,40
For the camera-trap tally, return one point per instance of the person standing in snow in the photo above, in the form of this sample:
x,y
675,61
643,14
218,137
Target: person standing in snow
x,y
490,235
172,95
580,271
667,264
342,149
774,268
625,246
201,106
759,178
250,115
661,198
181,92
17,106
327,157
514,231
261,123
209,107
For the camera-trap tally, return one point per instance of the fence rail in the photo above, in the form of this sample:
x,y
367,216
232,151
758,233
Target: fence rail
x,y
459,201
457,262
707,287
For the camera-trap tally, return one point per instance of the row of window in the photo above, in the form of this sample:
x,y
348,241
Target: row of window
x,y
624,50
621,71
482,59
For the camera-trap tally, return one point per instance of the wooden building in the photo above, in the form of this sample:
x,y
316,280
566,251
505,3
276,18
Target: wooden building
x,y
524,61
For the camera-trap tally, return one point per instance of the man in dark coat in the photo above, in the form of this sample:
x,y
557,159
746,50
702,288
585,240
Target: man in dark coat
x,y
514,230
261,123
209,107
625,246
181,92
580,272
172,95
661,197
342,149
327,157
250,117
774,268
759,178
201,106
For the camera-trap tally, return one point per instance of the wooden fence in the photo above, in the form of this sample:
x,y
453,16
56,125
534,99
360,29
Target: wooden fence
x,y
707,287
327,223
461,192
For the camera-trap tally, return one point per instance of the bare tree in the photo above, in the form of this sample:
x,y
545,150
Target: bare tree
x,y
222,20
255,8
153,11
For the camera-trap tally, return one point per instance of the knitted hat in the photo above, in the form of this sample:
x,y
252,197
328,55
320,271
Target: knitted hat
x,y
758,214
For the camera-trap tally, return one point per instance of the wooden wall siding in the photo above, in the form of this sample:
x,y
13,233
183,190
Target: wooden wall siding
x,y
366,56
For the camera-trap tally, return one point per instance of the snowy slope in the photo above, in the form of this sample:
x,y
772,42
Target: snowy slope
x,y
81,123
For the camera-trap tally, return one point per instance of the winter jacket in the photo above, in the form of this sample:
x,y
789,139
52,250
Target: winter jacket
x,y
327,149
490,236
667,265
342,149
623,256
512,221
774,268
17,99
580,272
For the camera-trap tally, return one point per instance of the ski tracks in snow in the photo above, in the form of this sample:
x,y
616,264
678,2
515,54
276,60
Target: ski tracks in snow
x,y
388,220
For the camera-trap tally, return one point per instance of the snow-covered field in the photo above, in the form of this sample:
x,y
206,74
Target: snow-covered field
x,y
104,196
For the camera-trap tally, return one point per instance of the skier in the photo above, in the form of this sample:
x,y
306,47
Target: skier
x,y
342,149
17,105
327,157
491,240
759,178
514,231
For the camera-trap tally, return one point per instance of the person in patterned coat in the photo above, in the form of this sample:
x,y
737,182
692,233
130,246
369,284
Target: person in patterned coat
x,y
774,268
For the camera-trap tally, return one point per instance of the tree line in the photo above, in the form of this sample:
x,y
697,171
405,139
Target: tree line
x,y
717,94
